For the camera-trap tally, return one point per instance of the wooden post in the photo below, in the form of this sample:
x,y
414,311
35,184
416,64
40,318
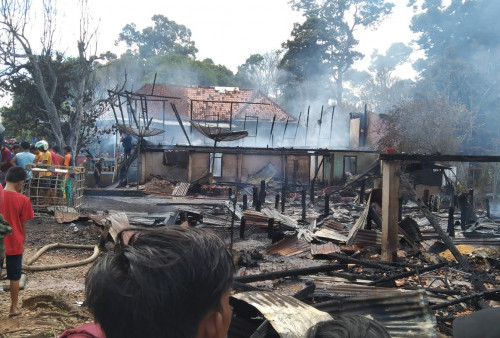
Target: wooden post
x,y
400,209
451,222
304,196
255,196
426,197
277,201
230,193
242,227
390,205
283,194
327,205
262,196
312,192
270,224
245,202
488,212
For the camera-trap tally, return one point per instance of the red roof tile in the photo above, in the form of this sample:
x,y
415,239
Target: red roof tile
x,y
212,103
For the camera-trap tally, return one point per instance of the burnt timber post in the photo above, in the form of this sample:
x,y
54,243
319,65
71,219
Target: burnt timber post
x,y
283,195
390,208
304,196
327,205
245,202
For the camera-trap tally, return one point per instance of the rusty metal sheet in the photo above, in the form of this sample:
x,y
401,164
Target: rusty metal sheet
x,y
403,314
65,217
289,246
290,317
326,232
181,189
119,222
324,249
324,285
283,219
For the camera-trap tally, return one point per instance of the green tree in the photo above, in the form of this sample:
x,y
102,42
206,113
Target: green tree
x,y
180,69
165,36
261,72
462,50
305,62
442,127
20,59
337,22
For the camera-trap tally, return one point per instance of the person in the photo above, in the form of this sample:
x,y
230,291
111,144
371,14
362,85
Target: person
x,y
17,211
127,144
5,230
67,184
42,154
24,157
6,162
16,148
57,151
53,154
44,158
173,281
98,172
68,158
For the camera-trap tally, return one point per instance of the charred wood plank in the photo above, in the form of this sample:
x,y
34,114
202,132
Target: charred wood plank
x,y
464,263
371,264
407,274
288,273
474,296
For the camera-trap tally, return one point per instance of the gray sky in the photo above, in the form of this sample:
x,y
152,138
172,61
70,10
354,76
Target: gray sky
x,y
227,31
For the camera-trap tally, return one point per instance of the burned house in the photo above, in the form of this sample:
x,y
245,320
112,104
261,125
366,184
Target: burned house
x,y
276,145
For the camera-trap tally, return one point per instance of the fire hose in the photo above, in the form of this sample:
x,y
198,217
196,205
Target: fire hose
x,y
28,267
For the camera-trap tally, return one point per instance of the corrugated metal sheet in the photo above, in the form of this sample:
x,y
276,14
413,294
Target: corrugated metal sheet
x,y
289,246
181,189
330,234
324,285
289,317
403,314
364,237
283,219
324,249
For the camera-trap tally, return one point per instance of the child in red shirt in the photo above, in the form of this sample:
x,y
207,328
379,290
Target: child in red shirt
x,y
17,211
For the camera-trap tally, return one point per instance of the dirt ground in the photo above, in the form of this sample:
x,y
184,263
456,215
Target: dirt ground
x,y
49,302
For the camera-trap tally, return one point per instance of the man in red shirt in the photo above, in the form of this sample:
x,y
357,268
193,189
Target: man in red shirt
x,y
17,211
6,162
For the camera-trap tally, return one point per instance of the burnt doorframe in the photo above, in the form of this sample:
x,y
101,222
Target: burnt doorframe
x,y
344,176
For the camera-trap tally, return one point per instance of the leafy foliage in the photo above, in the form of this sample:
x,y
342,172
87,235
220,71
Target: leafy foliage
x,y
164,37
327,36
442,127
463,61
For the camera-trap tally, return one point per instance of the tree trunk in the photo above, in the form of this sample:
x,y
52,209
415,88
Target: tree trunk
x,y
51,110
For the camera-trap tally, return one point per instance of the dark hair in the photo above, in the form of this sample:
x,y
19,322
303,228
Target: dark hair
x,y
161,283
25,145
56,148
348,326
16,146
15,175
67,148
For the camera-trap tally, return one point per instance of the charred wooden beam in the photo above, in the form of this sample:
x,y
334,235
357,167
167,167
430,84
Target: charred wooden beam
x,y
407,273
443,158
362,262
474,296
289,273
